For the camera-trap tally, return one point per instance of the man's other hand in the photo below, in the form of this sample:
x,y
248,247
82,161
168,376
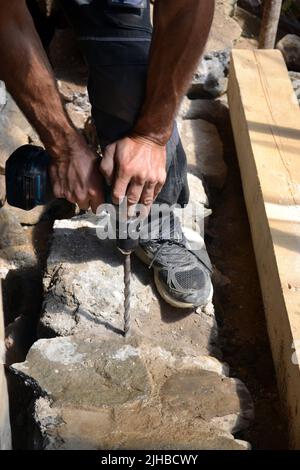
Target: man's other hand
x,y
135,167
76,177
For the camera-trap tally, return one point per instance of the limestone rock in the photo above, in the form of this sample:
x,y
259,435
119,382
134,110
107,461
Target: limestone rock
x,y
295,78
31,217
84,293
214,111
229,6
18,269
11,231
289,46
197,190
130,393
12,116
204,151
210,79
225,30
162,386
2,95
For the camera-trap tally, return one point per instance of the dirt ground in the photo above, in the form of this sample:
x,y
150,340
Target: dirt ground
x,y
239,308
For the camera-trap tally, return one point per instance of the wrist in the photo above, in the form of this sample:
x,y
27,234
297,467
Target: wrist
x,y
156,129
65,143
148,139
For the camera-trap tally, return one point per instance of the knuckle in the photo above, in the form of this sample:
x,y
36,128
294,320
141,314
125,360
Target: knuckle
x,y
148,201
116,194
141,177
140,180
124,168
162,180
152,180
132,199
103,165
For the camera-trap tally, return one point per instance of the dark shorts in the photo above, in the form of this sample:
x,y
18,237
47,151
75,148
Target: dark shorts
x,y
116,41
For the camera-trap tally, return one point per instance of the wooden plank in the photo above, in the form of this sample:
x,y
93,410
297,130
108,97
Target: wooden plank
x,y
5,433
265,117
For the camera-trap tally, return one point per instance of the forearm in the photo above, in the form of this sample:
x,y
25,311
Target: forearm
x,y
27,74
181,28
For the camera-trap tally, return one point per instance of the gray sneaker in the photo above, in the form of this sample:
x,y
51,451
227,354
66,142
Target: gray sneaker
x,y
182,275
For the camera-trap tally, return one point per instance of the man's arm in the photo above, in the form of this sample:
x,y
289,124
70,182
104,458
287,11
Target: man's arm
x,y
27,74
181,29
137,163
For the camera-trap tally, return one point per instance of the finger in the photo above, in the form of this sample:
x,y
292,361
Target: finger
x,y
69,196
134,192
157,190
84,206
56,188
83,203
147,197
96,201
120,188
107,164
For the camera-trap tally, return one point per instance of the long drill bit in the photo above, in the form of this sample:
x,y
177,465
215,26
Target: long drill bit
x,y
127,276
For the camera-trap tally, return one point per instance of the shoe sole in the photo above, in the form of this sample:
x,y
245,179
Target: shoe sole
x,y
163,292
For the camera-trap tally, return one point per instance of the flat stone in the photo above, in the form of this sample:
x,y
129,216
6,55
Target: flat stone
x,y
131,393
225,30
204,151
84,293
213,111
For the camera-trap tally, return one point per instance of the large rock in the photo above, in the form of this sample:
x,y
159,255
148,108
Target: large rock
x,y
162,386
210,79
225,30
214,111
118,393
289,46
204,151
19,269
84,293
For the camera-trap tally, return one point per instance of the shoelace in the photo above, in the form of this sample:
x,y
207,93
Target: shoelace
x,y
181,245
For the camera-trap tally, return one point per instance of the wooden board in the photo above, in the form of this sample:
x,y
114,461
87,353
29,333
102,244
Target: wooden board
x,y
5,434
265,117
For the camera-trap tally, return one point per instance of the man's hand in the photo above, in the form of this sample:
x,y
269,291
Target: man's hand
x,y
136,168
76,177
28,76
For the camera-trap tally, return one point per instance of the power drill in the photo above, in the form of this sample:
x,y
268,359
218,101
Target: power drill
x,y
28,185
